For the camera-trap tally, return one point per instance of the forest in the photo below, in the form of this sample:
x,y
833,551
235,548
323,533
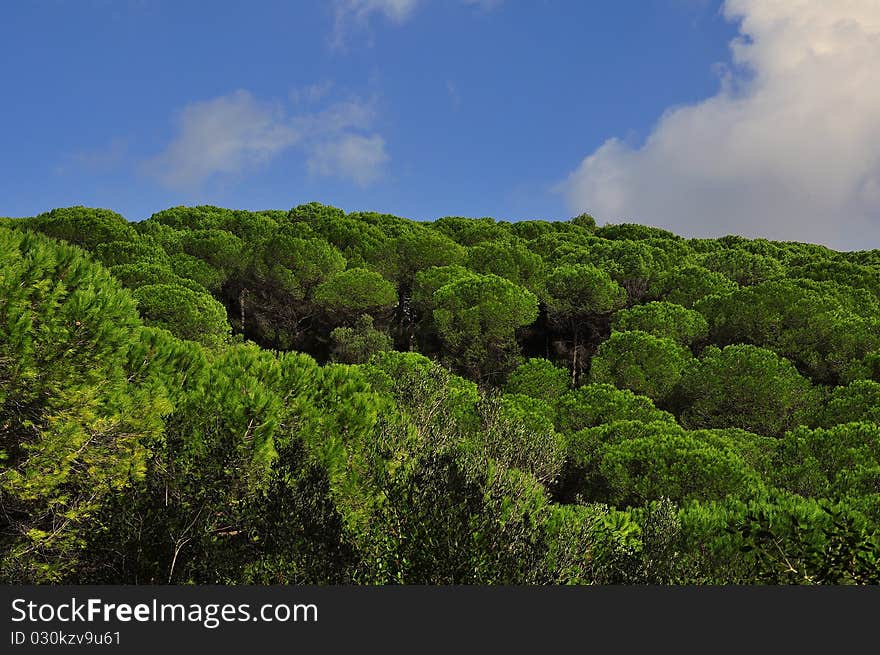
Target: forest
x,y
217,396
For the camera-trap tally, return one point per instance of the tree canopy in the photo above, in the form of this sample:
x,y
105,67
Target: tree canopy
x,y
315,396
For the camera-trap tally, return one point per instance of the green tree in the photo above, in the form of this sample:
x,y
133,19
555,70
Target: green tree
x,y
422,304
470,231
857,401
745,387
632,264
672,466
75,413
83,226
530,230
830,463
354,292
518,432
417,249
201,272
440,406
688,284
222,250
827,544
847,273
664,319
428,281
477,318
144,273
584,221
141,250
185,313
538,378
647,365
447,522
201,217
757,451
273,301
808,327
743,267
554,246
205,492
359,241
164,235
633,232
630,463
595,404
579,299
508,259
355,345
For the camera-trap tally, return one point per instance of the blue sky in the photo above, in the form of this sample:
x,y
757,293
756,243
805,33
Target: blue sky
x,y
422,108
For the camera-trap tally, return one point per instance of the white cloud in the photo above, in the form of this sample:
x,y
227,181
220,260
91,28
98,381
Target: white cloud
x,y
353,15
454,95
485,5
359,158
311,94
234,133
789,148
223,135
100,160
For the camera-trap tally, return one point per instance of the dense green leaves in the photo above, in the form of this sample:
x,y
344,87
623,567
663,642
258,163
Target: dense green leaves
x,y
508,259
538,378
580,290
819,333
664,319
744,387
356,291
579,299
463,401
74,416
857,401
638,361
595,404
356,344
477,318
83,226
831,463
688,284
743,267
185,313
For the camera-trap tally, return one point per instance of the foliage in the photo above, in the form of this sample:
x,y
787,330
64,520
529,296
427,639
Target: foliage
x,y
688,284
743,267
74,414
508,259
83,226
187,314
320,397
538,378
477,318
817,332
355,345
857,401
664,319
743,387
518,432
836,550
647,365
353,291
830,463
595,404
580,297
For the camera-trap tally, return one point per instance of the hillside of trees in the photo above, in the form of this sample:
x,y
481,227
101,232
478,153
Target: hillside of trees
x,y
320,397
